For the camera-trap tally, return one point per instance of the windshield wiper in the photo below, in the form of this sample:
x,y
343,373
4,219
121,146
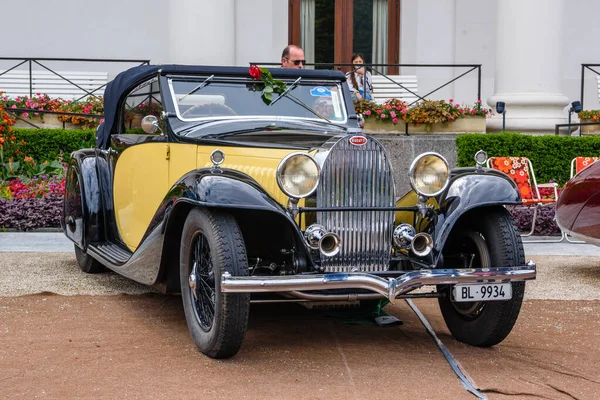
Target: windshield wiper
x,y
287,94
287,90
200,86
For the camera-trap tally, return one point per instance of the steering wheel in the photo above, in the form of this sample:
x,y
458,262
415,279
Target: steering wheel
x,y
208,110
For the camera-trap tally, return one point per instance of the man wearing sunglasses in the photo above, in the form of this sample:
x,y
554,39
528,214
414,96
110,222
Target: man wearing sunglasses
x,y
292,57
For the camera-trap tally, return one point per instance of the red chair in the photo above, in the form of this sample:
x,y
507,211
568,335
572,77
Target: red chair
x,y
579,163
520,170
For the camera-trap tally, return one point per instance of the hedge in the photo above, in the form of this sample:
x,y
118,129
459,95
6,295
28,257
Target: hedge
x,y
45,144
550,155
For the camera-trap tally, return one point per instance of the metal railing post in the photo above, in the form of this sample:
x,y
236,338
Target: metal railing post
x,y
582,86
30,79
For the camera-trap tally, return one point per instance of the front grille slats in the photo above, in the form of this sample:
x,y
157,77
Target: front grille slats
x,y
357,176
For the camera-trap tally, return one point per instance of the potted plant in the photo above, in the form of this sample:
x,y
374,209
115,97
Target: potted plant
x,y
590,116
424,117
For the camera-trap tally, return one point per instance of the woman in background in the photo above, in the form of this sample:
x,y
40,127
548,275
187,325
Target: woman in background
x,y
359,79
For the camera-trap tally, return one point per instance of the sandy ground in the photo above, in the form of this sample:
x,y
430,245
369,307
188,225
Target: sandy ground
x,y
92,341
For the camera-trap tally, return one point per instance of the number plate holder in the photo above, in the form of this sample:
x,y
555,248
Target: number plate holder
x,y
482,292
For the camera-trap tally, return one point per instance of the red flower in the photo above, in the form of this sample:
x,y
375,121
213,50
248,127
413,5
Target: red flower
x,y
255,72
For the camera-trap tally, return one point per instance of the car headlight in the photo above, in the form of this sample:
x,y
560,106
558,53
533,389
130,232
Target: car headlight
x,y
429,174
298,175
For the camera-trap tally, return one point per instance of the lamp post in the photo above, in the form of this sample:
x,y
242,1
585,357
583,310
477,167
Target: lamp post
x,y
500,109
575,107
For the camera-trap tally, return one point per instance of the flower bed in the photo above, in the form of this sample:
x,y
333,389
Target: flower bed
x,y
426,116
31,192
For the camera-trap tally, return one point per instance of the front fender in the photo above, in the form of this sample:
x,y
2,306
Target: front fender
x,y
468,191
268,229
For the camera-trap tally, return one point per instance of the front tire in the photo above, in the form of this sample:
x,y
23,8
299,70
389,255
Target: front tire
x,y
211,244
493,241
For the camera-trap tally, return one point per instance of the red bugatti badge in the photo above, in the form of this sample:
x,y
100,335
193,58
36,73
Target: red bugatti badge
x,y
358,140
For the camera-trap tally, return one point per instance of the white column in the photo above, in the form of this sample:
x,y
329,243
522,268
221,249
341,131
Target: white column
x,y
201,32
528,65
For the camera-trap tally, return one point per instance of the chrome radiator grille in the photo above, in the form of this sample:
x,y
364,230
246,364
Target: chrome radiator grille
x,y
357,176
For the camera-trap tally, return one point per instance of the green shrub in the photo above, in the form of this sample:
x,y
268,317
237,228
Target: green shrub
x,y
550,155
46,144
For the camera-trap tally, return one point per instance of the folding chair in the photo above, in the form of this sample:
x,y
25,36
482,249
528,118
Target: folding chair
x,y
577,165
520,170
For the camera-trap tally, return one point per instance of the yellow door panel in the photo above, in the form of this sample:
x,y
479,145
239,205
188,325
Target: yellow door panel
x,y
140,184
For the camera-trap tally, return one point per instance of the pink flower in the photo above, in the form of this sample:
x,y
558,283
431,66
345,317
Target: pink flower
x,y
393,114
35,105
388,107
382,115
25,114
451,100
368,112
479,101
398,108
472,111
404,111
395,120
378,111
14,106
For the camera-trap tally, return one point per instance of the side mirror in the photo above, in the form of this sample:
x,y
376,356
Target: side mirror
x,y
150,124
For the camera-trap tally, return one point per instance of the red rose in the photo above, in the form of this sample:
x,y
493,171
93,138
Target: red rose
x,y
255,72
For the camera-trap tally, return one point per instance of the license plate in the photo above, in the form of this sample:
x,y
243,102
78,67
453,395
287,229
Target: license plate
x,y
482,292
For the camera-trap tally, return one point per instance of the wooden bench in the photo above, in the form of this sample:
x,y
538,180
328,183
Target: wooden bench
x,y
385,89
15,83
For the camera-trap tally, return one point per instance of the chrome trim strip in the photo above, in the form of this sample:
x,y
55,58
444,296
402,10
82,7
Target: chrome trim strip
x,y
388,287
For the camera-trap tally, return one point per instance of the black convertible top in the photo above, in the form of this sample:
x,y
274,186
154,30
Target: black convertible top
x,y
127,80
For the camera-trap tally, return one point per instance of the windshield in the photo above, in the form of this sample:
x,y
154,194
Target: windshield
x,y
209,98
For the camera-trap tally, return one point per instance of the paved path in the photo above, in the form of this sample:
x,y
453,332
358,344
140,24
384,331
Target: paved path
x,y
56,242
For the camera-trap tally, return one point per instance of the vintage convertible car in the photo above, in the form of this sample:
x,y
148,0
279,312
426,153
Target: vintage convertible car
x,y
578,204
252,187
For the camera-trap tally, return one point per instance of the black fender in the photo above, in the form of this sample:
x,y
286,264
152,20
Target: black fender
x,y
267,227
83,207
468,189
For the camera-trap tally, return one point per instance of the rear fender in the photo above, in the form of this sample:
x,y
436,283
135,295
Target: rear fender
x,y
83,213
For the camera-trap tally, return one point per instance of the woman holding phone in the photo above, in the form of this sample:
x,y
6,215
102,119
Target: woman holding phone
x,y
359,79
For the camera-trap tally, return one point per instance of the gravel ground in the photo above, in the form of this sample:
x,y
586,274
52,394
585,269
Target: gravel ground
x,y
559,278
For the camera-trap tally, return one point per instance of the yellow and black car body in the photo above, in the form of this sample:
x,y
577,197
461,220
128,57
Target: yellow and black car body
x,y
234,191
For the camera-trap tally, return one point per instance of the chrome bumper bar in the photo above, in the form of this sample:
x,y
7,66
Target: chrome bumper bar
x,y
388,287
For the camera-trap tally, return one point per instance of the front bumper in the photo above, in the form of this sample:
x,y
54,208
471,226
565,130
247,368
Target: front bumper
x,y
388,287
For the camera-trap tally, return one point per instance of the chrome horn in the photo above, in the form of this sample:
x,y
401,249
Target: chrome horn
x,y
405,237
314,234
330,244
319,239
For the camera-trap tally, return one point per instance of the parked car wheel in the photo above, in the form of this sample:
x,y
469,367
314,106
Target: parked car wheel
x,y
493,240
87,263
211,244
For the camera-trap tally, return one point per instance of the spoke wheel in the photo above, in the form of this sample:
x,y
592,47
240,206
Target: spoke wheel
x,y
488,239
212,244
202,283
474,245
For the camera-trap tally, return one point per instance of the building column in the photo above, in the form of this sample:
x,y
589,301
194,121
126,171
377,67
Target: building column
x,y
528,66
201,32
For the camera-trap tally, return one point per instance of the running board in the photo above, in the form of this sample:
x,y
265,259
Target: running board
x,y
111,252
